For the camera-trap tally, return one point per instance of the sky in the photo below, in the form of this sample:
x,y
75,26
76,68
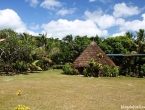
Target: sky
x,y
58,18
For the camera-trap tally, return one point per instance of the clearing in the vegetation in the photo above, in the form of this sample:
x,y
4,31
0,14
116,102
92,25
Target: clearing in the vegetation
x,y
51,90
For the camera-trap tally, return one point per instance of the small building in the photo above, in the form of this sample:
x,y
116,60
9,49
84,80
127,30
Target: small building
x,y
89,53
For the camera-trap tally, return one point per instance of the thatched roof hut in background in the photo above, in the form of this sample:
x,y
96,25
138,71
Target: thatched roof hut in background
x,y
89,53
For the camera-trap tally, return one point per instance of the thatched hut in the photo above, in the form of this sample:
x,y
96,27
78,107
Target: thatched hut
x,y
89,53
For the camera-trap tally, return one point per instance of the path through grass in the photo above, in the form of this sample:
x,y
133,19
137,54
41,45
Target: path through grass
x,y
51,90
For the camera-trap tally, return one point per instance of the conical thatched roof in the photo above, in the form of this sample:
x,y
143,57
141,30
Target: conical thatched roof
x,y
89,53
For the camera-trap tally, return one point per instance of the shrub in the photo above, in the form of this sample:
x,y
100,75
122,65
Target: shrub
x,y
97,68
67,69
142,72
106,71
132,74
93,69
114,71
87,72
109,71
100,55
127,71
75,71
20,66
92,63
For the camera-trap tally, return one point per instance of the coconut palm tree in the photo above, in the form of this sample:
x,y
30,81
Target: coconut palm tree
x,y
140,47
140,41
67,39
42,41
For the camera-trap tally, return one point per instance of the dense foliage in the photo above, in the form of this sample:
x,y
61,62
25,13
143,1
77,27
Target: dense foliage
x,y
23,52
94,70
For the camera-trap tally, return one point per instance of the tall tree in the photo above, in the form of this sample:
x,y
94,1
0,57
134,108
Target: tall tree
x,y
140,41
42,41
68,39
129,35
7,33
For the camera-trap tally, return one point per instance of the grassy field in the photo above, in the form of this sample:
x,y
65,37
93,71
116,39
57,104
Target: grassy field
x,y
51,90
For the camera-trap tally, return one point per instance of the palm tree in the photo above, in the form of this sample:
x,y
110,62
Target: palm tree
x,y
129,35
67,39
43,41
140,41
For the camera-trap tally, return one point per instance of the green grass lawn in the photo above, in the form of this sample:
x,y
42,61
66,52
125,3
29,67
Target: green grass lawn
x,y
51,90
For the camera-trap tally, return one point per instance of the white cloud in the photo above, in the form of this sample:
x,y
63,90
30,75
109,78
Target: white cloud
x,y
107,21
50,4
134,25
122,33
33,3
61,28
63,12
10,19
103,20
119,21
122,10
143,15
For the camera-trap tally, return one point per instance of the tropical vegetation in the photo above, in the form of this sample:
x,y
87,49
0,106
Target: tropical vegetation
x,y
22,52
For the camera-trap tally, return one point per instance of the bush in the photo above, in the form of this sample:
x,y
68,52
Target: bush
x,y
75,71
97,67
92,63
142,72
100,55
106,71
109,71
67,69
20,66
93,69
87,72
132,74
114,71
